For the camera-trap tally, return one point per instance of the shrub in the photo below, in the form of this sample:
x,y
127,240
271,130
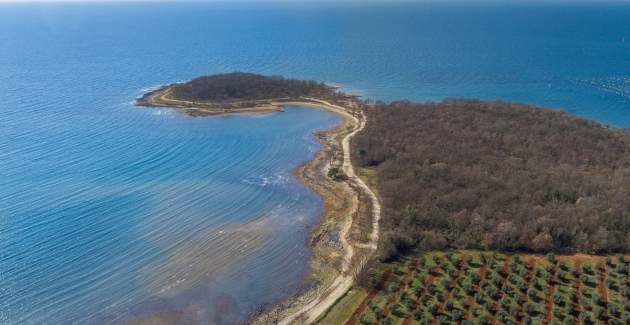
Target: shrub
x,y
622,269
563,276
443,320
480,298
444,282
426,321
559,313
611,284
508,289
523,272
558,299
531,309
433,309
491,307
587,292
587,318
621,258
421,314
367,319
478,311
485,284
534,294
523,286
458,315
508,303
514,278
588,280
614,310
600,313
585,302
411,304
504,316
397,310
588,268
380,314
599,299
483,319
484,258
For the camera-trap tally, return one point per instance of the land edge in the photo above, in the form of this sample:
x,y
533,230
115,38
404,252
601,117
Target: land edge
x,y
159,97
311,305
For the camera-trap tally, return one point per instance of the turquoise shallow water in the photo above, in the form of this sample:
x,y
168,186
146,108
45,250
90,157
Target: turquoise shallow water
x,y
109,211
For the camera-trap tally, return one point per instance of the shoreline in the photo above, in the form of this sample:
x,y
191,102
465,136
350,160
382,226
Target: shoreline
x,y
158,97
309,306
336,257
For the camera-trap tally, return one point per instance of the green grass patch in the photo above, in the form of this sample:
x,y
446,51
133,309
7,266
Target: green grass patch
x,y
344,308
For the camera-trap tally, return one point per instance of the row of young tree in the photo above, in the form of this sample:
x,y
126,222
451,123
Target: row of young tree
x,y
499,289
496,175
241,86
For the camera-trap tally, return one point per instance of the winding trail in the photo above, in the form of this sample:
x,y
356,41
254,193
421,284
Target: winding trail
x,y
314,309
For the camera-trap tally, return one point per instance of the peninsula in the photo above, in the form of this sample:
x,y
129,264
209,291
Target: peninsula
x,y
493,212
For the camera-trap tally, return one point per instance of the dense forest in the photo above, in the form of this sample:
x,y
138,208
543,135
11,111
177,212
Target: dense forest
x,y
496,175
240,86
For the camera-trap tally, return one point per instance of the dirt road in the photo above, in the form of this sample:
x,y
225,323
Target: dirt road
x,y
314,309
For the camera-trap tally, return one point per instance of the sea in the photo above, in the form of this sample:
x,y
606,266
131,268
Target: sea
x,y
110,212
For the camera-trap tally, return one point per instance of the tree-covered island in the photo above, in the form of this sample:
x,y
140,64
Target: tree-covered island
x,y
239,93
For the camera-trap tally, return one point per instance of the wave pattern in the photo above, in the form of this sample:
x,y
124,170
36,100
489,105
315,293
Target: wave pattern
x,y
128,212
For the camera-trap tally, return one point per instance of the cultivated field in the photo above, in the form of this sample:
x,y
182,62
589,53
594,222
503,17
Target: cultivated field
x,y
491,288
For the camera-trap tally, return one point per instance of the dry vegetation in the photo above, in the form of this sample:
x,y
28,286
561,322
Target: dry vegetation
x,y
496,176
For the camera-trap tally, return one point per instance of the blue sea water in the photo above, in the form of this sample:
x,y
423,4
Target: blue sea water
x,y
108,211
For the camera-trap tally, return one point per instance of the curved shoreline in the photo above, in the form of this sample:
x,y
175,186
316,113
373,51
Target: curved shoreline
x,y
159,97
310,306
341,210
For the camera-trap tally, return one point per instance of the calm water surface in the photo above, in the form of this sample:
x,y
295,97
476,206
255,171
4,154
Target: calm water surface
x,y
108,211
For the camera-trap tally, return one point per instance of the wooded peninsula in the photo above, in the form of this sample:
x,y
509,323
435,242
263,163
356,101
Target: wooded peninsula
x,y
482,176
460,173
